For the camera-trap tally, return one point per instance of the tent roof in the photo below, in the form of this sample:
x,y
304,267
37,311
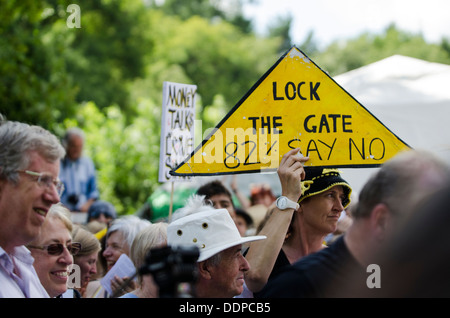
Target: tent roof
x,y
398,79
410,96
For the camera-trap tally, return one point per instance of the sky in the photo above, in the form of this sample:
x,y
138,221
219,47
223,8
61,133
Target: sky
x,y
345,19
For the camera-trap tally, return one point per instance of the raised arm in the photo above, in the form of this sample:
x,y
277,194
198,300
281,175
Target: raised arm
x,y
263,254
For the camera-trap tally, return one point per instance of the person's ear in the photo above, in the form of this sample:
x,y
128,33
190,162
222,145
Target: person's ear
x,y
3,183
380,220
204,270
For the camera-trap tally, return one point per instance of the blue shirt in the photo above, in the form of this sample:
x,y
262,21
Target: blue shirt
x,y
25,285
80,182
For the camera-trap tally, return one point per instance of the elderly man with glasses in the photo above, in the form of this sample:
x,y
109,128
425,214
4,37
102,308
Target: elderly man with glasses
x,y
29,168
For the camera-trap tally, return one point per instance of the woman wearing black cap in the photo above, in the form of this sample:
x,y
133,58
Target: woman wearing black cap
x,y
310,205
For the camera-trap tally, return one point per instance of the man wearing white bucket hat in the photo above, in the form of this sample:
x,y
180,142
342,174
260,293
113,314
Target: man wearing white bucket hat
x,y
221,265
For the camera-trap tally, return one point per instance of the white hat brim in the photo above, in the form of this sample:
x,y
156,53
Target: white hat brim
x,y
207,253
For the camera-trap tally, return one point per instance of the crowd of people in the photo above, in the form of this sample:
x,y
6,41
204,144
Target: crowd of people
x,y
317,239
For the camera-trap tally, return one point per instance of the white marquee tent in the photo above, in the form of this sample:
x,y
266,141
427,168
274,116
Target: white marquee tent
x,y
409,96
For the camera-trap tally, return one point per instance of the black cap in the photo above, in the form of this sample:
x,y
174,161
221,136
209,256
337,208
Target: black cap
x,y
318,180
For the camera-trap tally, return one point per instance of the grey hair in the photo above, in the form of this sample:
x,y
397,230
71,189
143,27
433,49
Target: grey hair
x,y
215,259
89,243
129,226
402,182
17,140
59,211
152,236
74,131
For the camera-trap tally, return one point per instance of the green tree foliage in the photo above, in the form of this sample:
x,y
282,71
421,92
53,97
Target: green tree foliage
x,y
219,58
340,57
48,68
281,27
34,84
309,45
109,50
106,77
211,10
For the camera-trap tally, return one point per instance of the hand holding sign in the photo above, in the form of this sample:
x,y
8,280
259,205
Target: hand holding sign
x,y
291,172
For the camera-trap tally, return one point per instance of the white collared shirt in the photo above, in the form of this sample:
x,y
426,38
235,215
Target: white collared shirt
x,y
24,285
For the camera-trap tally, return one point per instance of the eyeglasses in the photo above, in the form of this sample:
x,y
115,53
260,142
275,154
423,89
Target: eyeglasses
x,y
46,180
57,248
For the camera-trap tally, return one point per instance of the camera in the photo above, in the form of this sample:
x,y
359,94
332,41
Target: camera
x,y
73,199
171,266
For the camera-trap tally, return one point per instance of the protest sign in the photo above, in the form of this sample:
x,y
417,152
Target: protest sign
x,y
177,127
295,104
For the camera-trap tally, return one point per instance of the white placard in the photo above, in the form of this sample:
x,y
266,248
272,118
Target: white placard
x,y
177,128
124,267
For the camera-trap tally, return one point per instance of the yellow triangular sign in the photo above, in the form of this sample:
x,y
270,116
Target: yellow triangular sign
x,y
295,104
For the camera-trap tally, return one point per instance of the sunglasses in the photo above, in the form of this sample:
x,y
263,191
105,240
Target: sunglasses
x,y
57,248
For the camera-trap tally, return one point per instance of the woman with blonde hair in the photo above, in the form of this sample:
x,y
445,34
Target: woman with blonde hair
x,y
53,252
150,237
86,258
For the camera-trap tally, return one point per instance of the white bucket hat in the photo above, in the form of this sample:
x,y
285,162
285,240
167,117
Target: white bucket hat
x,y
212,231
